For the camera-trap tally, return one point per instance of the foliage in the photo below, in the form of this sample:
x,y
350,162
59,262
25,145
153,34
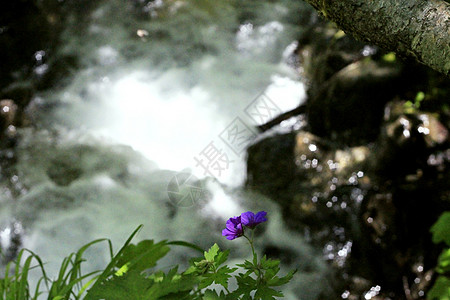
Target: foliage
x,y
441,233
441,229
132,274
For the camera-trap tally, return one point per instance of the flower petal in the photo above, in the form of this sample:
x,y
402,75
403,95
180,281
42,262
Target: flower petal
x,y
247,218
250,220
233,228
261,217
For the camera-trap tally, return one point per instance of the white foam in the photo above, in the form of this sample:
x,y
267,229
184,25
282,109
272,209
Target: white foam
x,y
162,109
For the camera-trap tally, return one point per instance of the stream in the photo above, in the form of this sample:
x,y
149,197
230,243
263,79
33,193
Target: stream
x,y
151,128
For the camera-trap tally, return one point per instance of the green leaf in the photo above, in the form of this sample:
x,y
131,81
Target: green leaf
x,y
142,256
134,286
277,281
212,295
109,270
267,264
222,275
270,273
266,293
219,276
213,258
130,286
171,286
212,252
221,258
441,229
198,266
246,285
440,289
248,266
202,266
443,266
206,281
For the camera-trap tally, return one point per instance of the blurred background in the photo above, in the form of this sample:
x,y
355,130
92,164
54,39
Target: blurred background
x,y
180,114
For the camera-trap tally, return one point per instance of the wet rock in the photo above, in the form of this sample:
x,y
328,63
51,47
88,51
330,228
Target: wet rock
x,y
8,110
63,172
395,235
379,217
317,162
270,167
349,106
349,84
286,256
8,118
325,46
312,152
359,285
324,183
420,282
408,193
434,131
21,93
403,131
18,21
369,207
371,168
58,73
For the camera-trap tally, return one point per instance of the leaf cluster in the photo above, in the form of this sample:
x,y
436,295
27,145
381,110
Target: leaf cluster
x,y
260,279
255,280
132,275
441,233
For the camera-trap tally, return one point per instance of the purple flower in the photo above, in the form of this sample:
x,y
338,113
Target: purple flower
x,y
250,220
234,228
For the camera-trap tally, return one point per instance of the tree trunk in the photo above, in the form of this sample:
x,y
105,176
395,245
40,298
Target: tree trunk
x,y
414,28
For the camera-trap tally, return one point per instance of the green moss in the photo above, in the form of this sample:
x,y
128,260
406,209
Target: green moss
x,y
390,57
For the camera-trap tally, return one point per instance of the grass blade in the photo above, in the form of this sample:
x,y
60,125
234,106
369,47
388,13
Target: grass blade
x,y
186,244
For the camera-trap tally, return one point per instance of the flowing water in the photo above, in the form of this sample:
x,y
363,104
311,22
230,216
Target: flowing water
x,y
165,91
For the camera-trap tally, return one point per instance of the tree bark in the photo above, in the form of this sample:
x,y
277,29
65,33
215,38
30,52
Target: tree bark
x,y
413,28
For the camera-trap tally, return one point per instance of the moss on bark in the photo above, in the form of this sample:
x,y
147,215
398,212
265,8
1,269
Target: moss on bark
x,y
413,28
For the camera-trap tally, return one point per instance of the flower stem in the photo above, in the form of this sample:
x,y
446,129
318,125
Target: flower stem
x,y
255,256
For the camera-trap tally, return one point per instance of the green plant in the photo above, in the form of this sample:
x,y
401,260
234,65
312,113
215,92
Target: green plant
x,y
132,274
413,106
441,233
67,285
